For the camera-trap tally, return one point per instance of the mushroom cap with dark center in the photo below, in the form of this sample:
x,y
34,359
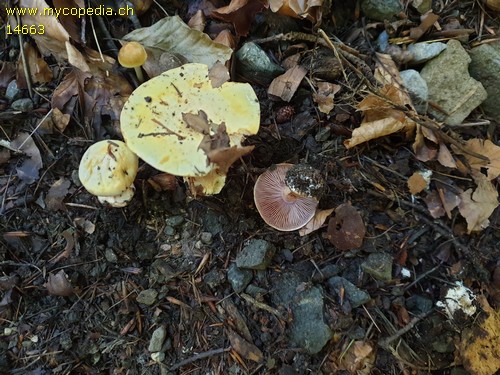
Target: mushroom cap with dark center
x,y
306,181
132,55
278,206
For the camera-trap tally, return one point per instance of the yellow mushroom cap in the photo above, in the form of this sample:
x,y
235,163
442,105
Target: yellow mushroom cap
x,y
154,125
108,168
132,55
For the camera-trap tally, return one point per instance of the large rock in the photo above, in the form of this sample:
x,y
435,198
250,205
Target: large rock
x,y
485,67
451,88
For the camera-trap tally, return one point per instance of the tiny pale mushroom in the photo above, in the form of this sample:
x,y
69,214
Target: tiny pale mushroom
x,y
133,55
180,124
278,205
107,170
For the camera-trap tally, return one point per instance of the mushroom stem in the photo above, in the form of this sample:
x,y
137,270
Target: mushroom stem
x,y
138,72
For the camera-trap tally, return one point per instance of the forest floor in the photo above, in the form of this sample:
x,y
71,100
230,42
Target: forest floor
x,y
159,286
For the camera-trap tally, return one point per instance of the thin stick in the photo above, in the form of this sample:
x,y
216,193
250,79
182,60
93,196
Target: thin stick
x,y
199,356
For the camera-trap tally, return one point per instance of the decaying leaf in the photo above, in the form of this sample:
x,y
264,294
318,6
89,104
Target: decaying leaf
x,y
316,222
218,75
54,40
285,85
198,21
28,169
87,226
226,156
39,70
325,95
380,118
244,348
59,285
163,181
434,204
346,229
359,358
308,9
479,346
485,148
56,194
476,207
240,13
171,34
445,158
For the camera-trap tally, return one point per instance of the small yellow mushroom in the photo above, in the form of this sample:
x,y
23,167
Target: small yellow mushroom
x,y
107,170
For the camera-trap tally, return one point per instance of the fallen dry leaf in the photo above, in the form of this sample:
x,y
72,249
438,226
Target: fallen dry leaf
x,y
445,158
285,85
226,156
346,229
476,207
39,70
163,181
27,171
358,358
171,34
198,21
308,9
434,204
244,348
54,40
56,194
316,222
87,226
380,118
485,148
427,20
240,13
325,95
58,284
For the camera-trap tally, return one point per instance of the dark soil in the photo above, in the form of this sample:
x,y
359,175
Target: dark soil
x,y
181,248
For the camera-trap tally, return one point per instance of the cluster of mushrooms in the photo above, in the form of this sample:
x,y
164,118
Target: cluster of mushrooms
x,y
180,124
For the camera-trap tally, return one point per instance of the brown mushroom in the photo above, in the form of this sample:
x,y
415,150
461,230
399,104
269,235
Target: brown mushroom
x,y
133,55
278,206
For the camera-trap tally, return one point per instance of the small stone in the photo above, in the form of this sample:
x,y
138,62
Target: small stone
x,y
422,52
157,339
206,238
110,255
147,297
239,278
417,88
423,6
255,64
256,255
174,221
169,230
213,279
381,10
12,92
158,356
451,87
354,295
255,290
418,304
23,105
379,265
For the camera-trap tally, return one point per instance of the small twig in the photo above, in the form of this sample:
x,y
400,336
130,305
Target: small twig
x,y
199,356
384,343
261,305
23,58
